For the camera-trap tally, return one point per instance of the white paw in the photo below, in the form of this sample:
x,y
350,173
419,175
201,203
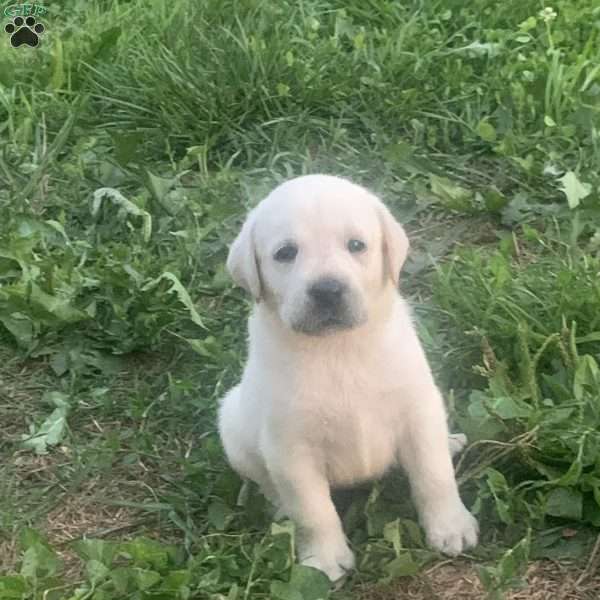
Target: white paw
x,y
456,442
334,559
451,529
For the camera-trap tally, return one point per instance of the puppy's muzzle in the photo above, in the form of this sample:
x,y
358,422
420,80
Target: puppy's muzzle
x,y
328,308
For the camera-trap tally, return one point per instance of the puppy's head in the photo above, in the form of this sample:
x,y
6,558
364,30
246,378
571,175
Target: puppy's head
x,y
321,252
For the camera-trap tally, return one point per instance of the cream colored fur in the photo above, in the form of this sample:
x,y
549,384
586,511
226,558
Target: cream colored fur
x,y
316,411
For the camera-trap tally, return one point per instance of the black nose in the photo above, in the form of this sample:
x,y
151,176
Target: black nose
x,y
327,291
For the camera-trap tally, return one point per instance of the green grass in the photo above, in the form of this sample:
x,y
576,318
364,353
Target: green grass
x,y
131,144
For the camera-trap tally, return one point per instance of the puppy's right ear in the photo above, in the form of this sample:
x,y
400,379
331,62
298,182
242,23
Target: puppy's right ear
x,y
395,244
242,262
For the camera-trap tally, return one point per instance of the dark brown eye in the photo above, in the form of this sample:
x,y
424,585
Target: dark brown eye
x,y
286,253
356,246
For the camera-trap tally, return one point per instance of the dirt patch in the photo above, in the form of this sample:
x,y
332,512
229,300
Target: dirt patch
x,y
545,580
99,507
82,515
8,555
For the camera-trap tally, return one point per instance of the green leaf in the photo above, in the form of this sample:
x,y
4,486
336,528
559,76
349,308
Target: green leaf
x,y
528,24
40,561
105,42
181,292
392,534
59,362
117,198
516,210
159,187
145,578
98,550
218,515
7,72
398,152
305,583
58,70
413,532
122,578
283,591
50,433
176,581
500,490
13,586
572,476
486,131
402,566
574,189
587,376
59,229
590,337
509,571
479,423
145,552
206,347
30,537
126,145
285,534
508,408
58,399
565,503
282,89
478,48
96,571
514,562
494,200
20,327
61,308
451,194
284,528
359,40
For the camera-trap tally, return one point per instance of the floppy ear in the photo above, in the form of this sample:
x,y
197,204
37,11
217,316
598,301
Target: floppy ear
x,y
395,245
242,262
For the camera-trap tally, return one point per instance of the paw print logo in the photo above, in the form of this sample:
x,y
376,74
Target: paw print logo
x,y
24,31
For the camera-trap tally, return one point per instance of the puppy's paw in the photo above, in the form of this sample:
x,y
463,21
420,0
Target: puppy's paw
x,y
452,529
334,559
456,443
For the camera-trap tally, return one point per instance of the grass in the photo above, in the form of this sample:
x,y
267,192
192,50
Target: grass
x,y
134,139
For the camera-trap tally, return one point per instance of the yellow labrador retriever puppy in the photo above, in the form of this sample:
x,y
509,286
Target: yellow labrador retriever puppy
x,y
337,388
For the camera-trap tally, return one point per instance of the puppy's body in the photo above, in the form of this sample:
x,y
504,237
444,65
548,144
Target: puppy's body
x,y
327,397
335,396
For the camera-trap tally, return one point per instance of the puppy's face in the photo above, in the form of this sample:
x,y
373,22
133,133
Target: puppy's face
x,y
319,251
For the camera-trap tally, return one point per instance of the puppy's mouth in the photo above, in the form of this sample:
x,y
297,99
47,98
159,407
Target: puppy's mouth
x,y
329,306
319,324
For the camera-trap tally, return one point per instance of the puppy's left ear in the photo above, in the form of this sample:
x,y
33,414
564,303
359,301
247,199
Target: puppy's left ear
x,y
242,261
395,245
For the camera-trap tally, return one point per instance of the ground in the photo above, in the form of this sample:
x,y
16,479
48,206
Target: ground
x,y
543,580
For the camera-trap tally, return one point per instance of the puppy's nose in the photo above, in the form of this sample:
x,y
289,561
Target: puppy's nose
x,y
327,291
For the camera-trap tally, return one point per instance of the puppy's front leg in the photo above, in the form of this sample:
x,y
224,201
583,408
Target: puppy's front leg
x,y
426,456
305,497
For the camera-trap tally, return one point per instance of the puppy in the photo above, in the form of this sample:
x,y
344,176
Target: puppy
x,y
337,388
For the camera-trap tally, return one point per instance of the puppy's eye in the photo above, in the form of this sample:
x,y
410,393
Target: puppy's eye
x,y
356,246
286,253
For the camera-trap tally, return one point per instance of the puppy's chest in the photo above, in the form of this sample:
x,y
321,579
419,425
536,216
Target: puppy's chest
x,y
355,423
